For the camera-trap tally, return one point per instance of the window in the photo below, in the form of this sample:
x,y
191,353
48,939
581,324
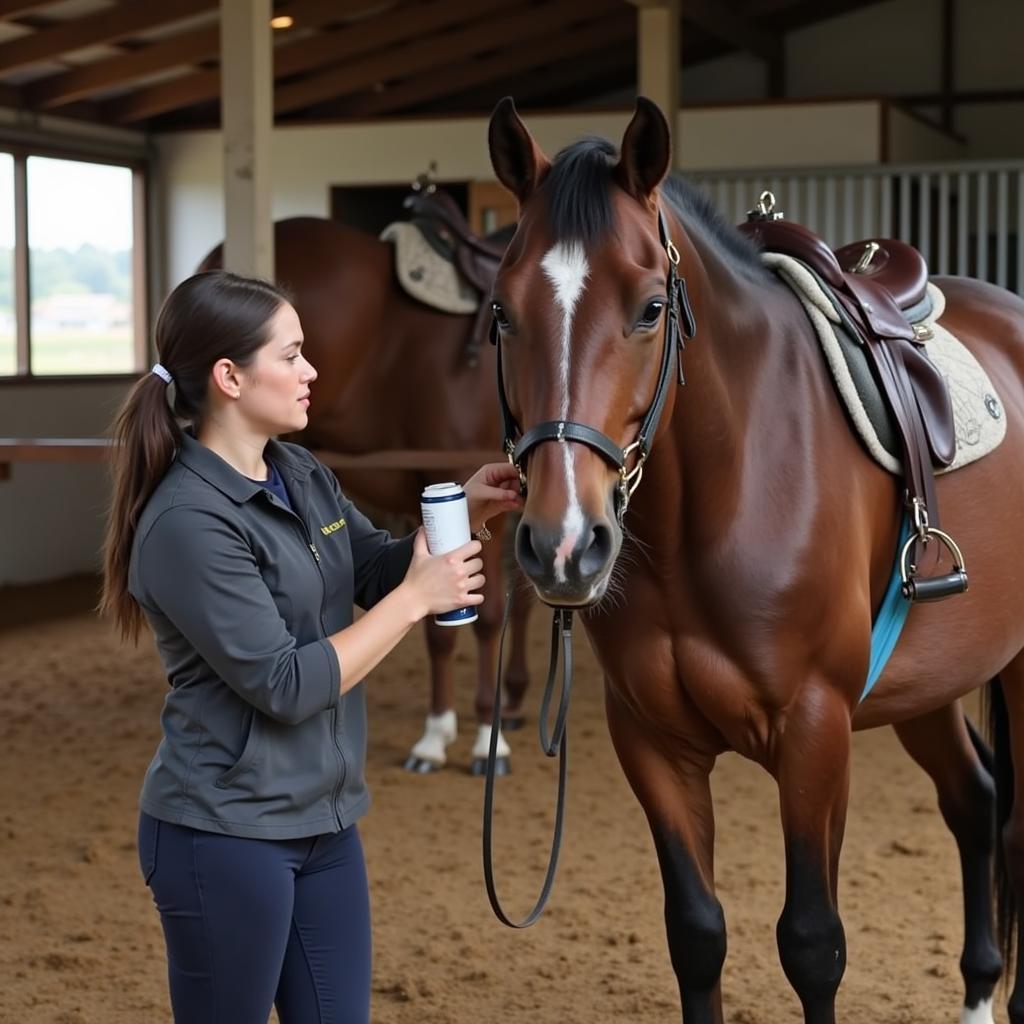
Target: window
x,y
72,293
8,329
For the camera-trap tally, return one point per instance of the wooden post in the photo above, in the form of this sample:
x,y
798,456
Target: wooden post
x,y
247,120
659,38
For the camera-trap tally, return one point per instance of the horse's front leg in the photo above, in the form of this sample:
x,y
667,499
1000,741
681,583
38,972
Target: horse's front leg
x,y
672,784
811,763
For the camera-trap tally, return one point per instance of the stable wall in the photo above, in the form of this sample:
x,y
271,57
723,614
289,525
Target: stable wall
x,y
307,161
51,515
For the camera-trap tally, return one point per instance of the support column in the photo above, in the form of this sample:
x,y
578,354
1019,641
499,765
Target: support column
x,y
659,38
247,120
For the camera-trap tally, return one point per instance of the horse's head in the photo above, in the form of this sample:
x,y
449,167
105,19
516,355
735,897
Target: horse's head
x,y
586,308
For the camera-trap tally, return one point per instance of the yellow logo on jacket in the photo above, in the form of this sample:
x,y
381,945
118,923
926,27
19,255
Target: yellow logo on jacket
x,y
331,527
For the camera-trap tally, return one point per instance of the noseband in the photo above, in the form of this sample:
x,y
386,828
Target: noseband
x,y
679,325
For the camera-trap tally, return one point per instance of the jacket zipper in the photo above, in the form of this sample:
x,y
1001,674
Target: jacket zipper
x,y
343,765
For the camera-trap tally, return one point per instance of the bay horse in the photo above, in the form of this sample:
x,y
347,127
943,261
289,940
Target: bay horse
x,y
731,608
392,374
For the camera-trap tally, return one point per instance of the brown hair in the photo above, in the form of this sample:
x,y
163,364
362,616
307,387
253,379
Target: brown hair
x,y
209,316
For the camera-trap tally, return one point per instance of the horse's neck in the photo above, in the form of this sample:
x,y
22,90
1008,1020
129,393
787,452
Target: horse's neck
x,y
747,369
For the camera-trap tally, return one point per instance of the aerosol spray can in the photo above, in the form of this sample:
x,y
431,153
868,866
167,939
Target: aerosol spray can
x,y
446,520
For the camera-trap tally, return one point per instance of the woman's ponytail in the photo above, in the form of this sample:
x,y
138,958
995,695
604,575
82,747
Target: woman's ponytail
x,y
209,316
146,437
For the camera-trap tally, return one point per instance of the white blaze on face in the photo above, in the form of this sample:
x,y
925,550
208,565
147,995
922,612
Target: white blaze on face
x,y
981,1014
566,267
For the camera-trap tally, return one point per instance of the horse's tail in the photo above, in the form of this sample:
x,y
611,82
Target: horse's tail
x,y
1002,774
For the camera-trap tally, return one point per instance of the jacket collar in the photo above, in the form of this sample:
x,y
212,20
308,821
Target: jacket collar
x,y
215,471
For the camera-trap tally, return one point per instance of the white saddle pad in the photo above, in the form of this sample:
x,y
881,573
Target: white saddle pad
x,y
426,275
978,414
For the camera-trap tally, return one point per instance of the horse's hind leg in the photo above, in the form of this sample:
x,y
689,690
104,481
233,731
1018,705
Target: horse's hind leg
x,y
942,745
673,789
1006,716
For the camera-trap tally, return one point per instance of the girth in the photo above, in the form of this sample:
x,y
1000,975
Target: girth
x,y
914,389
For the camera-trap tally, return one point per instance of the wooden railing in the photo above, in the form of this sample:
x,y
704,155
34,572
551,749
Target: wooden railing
x,y
96,449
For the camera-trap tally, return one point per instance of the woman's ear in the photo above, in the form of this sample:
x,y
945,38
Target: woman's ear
x,y
516,158
225,378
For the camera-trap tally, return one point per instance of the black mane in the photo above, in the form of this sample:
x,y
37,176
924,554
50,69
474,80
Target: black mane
x,y
580,210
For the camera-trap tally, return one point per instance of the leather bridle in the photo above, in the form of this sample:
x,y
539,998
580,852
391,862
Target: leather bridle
x,y
679,327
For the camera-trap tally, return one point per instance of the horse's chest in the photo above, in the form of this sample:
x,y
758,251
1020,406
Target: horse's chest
x,y
686,687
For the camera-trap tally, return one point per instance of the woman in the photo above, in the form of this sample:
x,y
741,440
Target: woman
x,y
246,559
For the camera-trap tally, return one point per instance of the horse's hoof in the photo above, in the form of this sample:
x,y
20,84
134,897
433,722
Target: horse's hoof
x,y
513,723
502,766
418,766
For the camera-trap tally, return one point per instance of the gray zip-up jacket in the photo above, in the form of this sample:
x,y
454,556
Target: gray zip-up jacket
x,y
241,593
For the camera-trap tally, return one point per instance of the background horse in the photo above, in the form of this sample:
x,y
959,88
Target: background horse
x,y
393,375
732,610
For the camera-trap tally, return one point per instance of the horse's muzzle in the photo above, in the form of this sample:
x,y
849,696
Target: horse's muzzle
x,y
568,571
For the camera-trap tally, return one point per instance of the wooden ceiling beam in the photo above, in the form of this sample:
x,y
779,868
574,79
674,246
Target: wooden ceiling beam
x,y
104,26
181,50
81,82
15,8
494,33
545,45
718,19
329,48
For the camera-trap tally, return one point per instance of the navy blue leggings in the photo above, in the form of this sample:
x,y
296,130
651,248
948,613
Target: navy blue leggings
x,y
251,923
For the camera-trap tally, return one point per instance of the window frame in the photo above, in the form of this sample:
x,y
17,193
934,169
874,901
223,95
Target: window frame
x,y
22,285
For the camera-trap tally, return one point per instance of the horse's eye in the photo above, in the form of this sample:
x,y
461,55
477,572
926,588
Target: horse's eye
x,y
652,313
499,315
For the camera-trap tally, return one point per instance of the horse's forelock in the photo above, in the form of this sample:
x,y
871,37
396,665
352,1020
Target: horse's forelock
x,y
577,190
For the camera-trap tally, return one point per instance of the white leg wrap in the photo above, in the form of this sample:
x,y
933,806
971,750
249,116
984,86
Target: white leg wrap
x,y
981,1014
483,743
440,731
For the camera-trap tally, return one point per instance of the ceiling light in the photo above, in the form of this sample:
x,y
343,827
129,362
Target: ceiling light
x,y
282,21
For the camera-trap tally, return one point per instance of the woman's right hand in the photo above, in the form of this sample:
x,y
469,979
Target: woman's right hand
x,y
442,583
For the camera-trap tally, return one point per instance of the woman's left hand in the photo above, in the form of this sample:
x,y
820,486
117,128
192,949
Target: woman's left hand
x,y
492,489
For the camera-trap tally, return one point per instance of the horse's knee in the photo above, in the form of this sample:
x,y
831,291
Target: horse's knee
x,y
694,921
812,948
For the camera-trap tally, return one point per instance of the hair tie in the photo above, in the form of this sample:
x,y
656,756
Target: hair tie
x,y
163,373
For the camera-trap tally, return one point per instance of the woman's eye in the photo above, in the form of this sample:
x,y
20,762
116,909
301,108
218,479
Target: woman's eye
x,y
500,318
652,313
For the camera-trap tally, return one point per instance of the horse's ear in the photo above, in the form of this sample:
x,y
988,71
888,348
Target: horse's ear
x,y
646,150
517,159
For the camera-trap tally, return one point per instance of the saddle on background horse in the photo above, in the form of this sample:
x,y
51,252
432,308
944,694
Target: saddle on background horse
x,y
875,283
470,263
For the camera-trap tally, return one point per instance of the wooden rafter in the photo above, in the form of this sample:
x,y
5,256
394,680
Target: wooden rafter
x,y
330,48
493,33
545,46
181,50
105,26
721,20
543,82
15,8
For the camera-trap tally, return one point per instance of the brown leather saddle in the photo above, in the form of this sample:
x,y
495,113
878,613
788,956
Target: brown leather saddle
x,y
874,282
475,258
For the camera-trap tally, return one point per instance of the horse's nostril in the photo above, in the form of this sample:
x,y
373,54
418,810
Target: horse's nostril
x,y
595,555
527,556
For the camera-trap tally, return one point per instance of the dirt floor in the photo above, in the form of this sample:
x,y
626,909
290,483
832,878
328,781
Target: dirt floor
x,y
80,942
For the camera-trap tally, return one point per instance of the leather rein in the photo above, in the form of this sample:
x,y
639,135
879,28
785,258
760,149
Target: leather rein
x,y
679,327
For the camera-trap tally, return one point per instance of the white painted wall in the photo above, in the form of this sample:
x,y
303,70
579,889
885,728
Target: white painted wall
x,y
307,161
51,515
